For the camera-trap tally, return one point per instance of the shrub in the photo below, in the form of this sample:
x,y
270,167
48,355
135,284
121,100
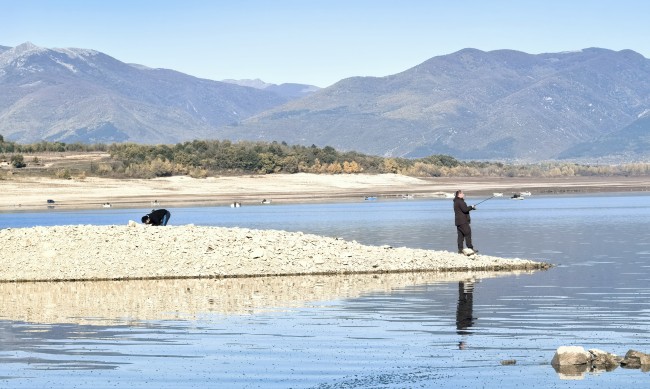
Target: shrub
x,y
18,161
63,174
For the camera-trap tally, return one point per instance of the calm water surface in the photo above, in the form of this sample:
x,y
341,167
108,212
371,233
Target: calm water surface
x,y
438,334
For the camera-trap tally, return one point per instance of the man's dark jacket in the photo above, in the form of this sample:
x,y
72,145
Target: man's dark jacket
x,y
156,216
461,211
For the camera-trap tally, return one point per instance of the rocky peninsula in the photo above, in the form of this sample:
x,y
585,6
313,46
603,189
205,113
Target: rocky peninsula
x,y
136,251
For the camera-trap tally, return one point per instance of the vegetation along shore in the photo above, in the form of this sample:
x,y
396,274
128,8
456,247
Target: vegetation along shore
x,y
222,172
201,158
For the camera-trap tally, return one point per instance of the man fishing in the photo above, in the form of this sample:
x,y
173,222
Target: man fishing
x,y
157,217
462,219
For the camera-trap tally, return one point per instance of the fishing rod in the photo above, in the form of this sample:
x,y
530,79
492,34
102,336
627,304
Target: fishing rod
x,y
485,200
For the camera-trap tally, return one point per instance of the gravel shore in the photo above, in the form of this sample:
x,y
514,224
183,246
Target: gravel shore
x,y
136,251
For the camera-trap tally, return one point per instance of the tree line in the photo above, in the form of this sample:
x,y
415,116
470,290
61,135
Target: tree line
x,y
203,158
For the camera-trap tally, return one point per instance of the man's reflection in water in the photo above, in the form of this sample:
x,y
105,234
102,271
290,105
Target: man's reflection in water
x,y
464,318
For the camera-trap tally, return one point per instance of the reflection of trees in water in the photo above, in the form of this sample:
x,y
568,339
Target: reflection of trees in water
x,y
464,310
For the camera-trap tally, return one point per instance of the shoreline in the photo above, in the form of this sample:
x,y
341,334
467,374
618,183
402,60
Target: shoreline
x,y
33,193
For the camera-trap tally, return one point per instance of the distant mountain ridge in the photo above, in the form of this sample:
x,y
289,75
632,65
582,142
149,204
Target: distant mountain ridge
x,y
78,95
631,143
470,104
503,105
288,90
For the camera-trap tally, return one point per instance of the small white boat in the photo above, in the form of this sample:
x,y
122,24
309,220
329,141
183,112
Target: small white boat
x,y
106,205
526,194
235,204
497,194
265,201
517,196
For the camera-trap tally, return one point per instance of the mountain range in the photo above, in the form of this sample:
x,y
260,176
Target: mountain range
x,y
78,95
498,105
472,105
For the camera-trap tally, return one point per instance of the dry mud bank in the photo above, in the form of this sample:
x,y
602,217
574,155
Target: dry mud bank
x,y
21,193
136,251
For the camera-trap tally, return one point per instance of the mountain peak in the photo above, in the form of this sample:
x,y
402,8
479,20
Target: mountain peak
x,y
23,50
256,83
26,47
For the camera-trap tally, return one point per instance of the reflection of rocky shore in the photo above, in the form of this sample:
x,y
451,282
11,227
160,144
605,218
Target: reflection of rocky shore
x,y
144,252
106,301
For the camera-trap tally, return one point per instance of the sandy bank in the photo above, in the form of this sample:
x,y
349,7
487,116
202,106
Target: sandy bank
x,y
19,193
92,192
138,251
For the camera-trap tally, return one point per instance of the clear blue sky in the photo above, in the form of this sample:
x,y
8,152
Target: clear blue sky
x,y
318,42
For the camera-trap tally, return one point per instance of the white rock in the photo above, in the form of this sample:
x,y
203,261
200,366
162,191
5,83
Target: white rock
x,y
571,355
257,253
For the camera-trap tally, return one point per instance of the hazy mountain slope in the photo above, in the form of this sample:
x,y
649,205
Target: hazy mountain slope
x,y
289,91
471,104
630,143
83,95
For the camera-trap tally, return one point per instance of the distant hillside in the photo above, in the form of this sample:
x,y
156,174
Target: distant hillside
x,y
289,91
470,104
78,95
630,143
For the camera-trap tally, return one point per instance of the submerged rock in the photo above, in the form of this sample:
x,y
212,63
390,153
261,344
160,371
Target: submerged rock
x,y
602,360
635,360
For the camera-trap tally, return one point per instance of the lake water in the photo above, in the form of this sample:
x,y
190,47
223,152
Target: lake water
x,y
355,331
